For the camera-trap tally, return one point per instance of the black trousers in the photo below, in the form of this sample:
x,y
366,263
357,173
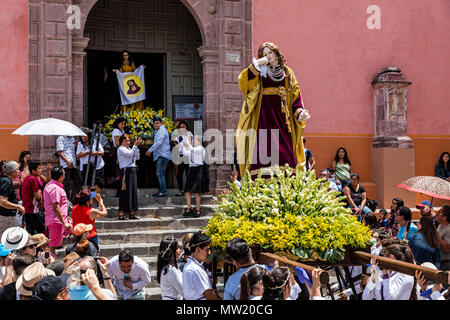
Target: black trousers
x,y
182,168
33,224
99,175
72,174
128,199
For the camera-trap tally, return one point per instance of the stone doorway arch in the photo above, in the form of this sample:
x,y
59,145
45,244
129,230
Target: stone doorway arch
x,y
57,54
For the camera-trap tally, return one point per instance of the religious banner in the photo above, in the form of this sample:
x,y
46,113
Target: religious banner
x,y
131,86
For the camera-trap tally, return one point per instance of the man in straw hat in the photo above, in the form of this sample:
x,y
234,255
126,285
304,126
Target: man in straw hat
x,y
28,279
19,262
15,238
43,250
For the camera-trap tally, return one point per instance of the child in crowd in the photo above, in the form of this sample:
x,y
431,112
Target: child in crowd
x,y
382,222
168,275
251,284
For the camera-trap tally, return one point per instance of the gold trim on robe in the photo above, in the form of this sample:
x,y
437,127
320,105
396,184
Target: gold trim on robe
x,y
246,132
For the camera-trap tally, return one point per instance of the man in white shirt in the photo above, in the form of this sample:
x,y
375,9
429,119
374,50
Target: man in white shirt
x,y
65,148
130,275
324,173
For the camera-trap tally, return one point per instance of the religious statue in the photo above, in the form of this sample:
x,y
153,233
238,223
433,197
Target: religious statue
x,y
273,117
128,66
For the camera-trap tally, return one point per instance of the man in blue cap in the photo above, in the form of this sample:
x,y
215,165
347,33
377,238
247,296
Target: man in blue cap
x,y
426,210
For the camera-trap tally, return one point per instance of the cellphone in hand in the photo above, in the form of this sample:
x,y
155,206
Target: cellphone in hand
x,y
126,277
180,138
47,255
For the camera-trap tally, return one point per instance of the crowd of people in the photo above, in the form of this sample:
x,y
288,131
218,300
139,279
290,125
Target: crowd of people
x,y
35,217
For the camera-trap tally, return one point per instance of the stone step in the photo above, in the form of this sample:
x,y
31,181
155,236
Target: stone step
x,y
148,236
108,192
157,211
145,201
171,223
110,250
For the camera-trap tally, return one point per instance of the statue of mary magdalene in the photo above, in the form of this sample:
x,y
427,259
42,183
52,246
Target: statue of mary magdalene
x,y
272,116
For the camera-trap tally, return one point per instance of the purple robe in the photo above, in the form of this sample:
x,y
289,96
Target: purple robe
x,y
271,117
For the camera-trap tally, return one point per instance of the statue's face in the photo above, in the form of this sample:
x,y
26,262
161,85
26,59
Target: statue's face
x,y
271,56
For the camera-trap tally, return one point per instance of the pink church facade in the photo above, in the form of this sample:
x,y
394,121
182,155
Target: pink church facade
x,y
332,47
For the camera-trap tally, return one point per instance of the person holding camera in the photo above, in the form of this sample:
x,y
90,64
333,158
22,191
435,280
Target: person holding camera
x,y
86,285
193,183
130,275
128,199
83,213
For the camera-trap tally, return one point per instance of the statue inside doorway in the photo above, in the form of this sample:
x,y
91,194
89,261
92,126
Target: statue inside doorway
x,y
128,66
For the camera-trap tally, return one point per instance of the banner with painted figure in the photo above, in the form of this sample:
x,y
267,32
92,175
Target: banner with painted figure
x,y
131,85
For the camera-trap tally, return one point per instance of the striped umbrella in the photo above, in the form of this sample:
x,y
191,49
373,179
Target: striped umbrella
x,y
433,186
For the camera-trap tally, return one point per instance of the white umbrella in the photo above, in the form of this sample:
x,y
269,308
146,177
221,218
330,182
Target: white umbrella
x,y
49,127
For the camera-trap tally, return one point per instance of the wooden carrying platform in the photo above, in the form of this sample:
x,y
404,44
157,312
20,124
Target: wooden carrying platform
x,y
358,258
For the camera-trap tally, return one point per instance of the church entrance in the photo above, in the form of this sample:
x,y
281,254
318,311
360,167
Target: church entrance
x,y
161,35
205,44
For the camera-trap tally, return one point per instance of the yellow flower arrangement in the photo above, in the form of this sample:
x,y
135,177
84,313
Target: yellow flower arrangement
x,y
289,213
139,124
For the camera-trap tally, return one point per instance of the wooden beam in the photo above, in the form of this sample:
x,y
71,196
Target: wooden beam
x,y
268,258
363,258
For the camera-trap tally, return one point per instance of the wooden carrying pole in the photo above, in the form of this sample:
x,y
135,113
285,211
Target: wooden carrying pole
x,y
267,258
363,258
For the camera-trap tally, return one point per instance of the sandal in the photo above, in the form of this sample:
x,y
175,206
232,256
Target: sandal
x,y
180,194
123,217
187,212
196,214
133,217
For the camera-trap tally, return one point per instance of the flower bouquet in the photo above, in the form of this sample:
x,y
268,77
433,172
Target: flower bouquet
x,y
139,124
292,214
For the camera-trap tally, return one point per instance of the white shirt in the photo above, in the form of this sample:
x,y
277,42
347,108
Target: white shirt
x,y
196,154
295,291
171,284
127,157
139,276
81,148
195,280
67,147
397,287
116,133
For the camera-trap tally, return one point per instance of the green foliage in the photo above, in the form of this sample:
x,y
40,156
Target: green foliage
x,y
292,212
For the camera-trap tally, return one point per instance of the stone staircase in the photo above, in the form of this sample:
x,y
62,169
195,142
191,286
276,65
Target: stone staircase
x,y
158,217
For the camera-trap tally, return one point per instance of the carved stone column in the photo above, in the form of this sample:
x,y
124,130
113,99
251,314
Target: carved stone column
x,y
211,110
392,149
78,80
